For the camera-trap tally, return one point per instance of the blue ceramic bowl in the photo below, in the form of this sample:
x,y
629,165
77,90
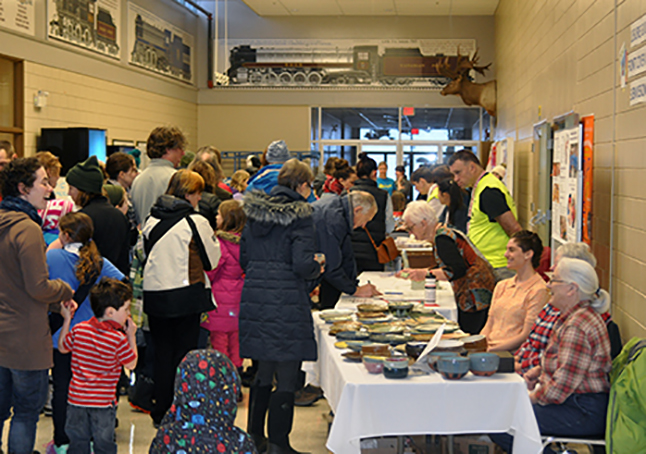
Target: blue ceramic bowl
x,y
396,367
435,356
355,346
453,368
484,364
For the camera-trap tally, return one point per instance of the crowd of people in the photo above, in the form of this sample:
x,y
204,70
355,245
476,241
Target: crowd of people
x,y
179,273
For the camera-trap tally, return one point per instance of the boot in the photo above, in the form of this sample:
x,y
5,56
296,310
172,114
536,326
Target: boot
x,y
281,417
258,403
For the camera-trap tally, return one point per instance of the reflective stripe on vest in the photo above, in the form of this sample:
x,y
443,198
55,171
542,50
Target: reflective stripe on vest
x,y
489,237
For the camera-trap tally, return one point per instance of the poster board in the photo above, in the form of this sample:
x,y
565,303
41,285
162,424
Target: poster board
x,y
567,186
18,15
159,46
502,154
90,24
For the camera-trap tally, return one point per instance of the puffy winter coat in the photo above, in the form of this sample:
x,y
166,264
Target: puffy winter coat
x,y
277,250
226,283
175,283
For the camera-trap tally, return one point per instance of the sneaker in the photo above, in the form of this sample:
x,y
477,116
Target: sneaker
x,y
314,390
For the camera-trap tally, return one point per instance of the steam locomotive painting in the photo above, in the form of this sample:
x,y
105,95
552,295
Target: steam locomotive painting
x,y
402,64
159,47
86,23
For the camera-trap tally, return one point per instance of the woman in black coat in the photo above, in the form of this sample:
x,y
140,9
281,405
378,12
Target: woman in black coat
x,y
277,250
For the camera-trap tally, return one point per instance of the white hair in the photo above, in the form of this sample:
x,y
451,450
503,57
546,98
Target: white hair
x,y
582,274
363,199
419,211
579,251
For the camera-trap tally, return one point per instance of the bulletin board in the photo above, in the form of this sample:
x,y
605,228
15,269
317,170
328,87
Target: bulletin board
x,y
567,186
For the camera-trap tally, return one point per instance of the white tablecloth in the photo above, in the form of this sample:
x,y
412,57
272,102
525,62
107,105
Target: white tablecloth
x,y
396,288
367,405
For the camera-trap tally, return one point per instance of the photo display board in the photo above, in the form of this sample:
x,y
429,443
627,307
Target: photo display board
x,y
567,180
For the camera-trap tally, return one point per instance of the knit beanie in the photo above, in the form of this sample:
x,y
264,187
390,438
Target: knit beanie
x,y
86,176
115,193
277,152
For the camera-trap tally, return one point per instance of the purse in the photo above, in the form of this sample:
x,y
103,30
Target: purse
x,y
387,250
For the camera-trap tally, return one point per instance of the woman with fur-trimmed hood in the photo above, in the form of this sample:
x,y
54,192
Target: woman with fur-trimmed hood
x,y
277,254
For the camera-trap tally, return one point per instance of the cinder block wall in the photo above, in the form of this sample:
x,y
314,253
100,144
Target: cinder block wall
x,y
554,56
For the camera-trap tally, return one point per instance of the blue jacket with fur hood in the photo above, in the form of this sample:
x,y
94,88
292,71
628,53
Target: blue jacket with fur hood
x,y
277,250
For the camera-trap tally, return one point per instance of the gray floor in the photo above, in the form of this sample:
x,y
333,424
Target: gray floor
x,y
135,431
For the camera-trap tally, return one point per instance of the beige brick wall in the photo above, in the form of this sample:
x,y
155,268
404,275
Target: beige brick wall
x,y
77,100
556,56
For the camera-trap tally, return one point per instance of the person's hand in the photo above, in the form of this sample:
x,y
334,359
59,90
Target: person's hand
x,y
439,274
532,397
366,291
131,328
517,367
68,308
531,377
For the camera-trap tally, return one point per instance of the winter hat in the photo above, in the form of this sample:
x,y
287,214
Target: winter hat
x,y
86,176
115,193
277,152
499,170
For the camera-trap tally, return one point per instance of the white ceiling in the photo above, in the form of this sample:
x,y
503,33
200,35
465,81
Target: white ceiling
x,y
373,7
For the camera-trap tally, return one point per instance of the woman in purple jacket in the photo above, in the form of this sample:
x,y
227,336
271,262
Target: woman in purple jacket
x,y
227,280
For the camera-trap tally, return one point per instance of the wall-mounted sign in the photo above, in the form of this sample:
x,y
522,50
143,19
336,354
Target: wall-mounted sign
x,y
638,32
91,24
17,15
566,185
637,62
638,91
159,46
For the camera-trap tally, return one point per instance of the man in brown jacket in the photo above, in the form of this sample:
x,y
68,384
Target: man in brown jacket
x,y
25,295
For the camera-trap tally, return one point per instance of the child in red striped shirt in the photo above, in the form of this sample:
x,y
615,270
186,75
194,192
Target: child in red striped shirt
x,y
99,348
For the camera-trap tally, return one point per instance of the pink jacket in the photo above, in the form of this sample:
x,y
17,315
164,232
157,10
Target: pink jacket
x,y
227,280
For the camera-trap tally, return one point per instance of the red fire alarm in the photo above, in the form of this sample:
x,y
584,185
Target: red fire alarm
x,y
414,131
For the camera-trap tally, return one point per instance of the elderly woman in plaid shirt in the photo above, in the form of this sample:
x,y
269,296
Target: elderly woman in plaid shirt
x,y
529,353
570,388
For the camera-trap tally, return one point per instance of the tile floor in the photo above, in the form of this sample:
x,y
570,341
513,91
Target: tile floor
x,y
136,431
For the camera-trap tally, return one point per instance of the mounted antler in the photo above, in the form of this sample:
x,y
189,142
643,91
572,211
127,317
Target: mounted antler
x,y
483,95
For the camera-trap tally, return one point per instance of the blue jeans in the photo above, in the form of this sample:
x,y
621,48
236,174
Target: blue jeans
x,y
26,392
580,416
88,423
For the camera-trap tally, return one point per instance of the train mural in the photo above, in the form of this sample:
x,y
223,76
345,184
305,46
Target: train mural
x,y
401,63
86,23
159,47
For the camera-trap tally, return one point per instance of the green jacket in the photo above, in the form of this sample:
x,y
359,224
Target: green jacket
x,y
626,420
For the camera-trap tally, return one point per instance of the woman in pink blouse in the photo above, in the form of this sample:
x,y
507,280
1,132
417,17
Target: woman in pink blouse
x,y
570,388
517,301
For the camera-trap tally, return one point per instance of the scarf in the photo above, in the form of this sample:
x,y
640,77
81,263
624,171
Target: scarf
x,y
12,203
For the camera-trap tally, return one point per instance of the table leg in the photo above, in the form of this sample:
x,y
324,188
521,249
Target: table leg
x,y
449,442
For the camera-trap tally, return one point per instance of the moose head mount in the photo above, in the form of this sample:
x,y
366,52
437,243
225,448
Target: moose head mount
x,y
483,95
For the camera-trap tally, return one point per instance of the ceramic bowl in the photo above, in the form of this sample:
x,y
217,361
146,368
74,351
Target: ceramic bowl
x,y
375,350
454,367
414,349
392,339
401,309
434,356
476,343
352,335
396,367
356,345
352,356
374,364
484,364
